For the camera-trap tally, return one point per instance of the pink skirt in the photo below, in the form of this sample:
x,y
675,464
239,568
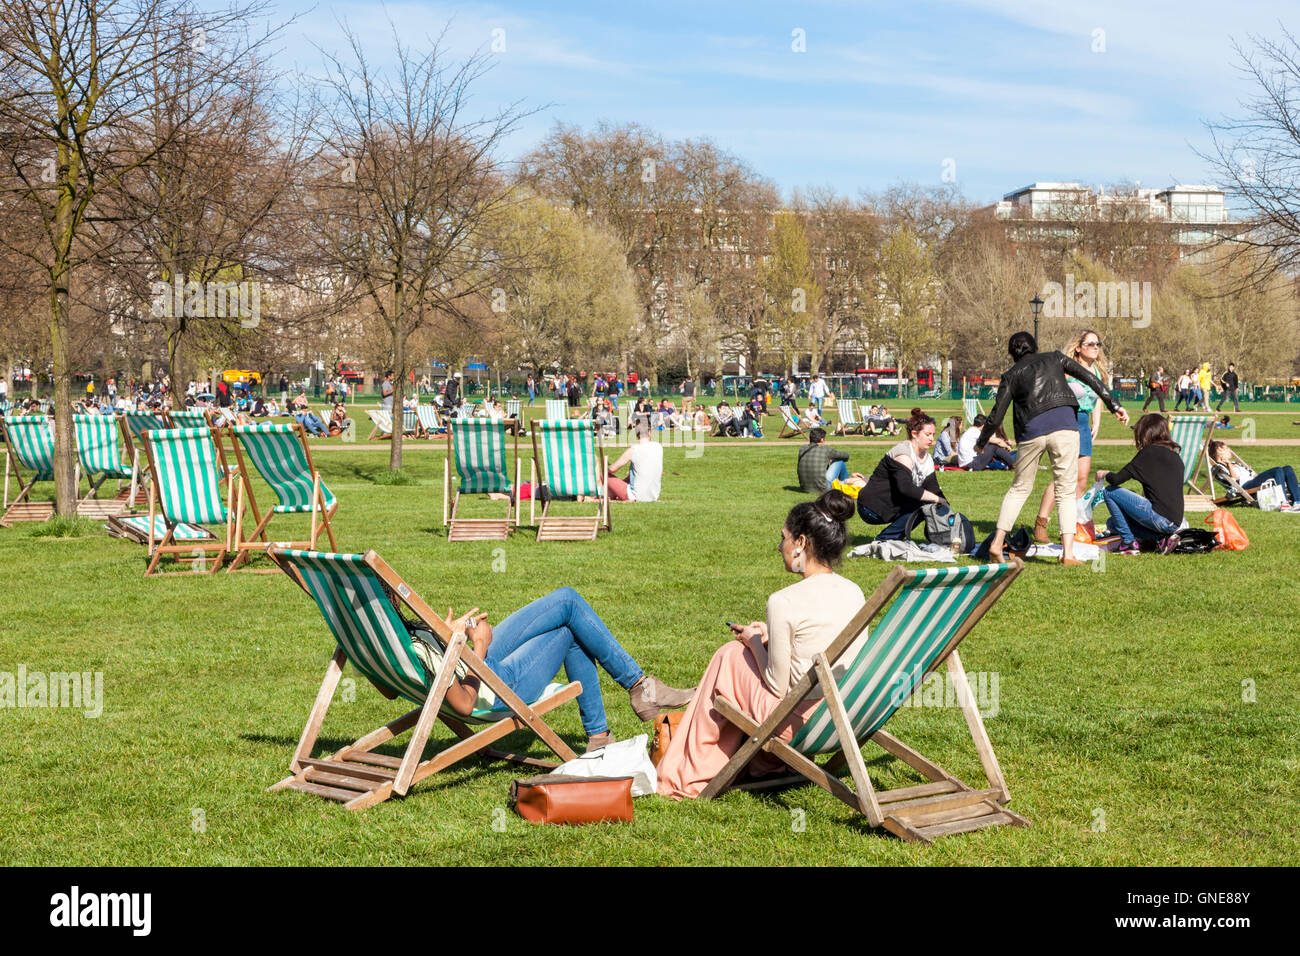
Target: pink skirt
x,y
705,741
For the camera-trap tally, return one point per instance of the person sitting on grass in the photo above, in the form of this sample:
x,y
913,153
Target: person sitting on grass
x,y
1157,513
310,421
1225,464
728,425
880,422
819,464
751,418
997,453
339,421
645,461
528,648
765,659
903,481
945,442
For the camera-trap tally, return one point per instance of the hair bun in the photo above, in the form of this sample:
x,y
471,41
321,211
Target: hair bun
x,y
917,413
837,505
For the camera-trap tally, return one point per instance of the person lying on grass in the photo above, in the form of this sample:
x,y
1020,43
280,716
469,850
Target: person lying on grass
x,y
529,647
765,659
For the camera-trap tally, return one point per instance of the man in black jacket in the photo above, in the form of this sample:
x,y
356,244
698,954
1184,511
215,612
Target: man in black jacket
x,y
1045,417
1229,383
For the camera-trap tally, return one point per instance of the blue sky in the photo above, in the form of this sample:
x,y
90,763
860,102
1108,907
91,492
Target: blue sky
x,y
1011,91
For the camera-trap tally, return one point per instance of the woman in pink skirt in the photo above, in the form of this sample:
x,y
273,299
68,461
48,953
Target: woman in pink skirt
x,y
756,669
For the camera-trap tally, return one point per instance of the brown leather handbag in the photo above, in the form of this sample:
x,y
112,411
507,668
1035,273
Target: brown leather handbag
x,y
665,727
559,798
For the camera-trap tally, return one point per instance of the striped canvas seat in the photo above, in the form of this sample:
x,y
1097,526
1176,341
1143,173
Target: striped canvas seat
x,y
478,447
188,418
864,677
410,421
382,421
188,469
572,464
97,447
514,408
136,527
359,595
1191,433
430,420
557,409
972,408
281,455
30,447
137,423
849,420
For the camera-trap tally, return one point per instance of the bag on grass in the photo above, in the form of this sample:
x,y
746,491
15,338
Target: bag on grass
x,y
1270,496
624,758
1228,533
1091,498
1196,541
948,528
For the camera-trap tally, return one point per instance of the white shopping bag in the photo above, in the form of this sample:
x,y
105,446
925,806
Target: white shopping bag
x,y
625,758
1091,498
1269,496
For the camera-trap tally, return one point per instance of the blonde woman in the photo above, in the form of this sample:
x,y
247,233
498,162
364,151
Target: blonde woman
x,y
1085,348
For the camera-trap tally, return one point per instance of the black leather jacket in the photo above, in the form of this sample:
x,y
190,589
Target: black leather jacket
x,y
1036,384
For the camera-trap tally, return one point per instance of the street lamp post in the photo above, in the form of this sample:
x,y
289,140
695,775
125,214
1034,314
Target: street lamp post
x,y
1037,305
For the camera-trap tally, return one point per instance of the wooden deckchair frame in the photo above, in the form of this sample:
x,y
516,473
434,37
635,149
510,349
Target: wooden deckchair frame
x,y
789,427
917,813
187,552
246,549
359,778
1201,500
569,527
478,529
376,432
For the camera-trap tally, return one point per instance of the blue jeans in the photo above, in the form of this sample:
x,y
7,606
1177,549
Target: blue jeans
x,y
837,469
529,646
895,530
313,424
1283,475
1131,516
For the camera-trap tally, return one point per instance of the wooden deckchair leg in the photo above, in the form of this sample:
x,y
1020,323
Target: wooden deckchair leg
x,y
317,716
7,463
432,703
315,505
848,743
975,723
912,758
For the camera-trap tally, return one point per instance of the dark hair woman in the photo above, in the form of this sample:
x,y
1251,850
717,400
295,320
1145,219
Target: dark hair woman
x,y
1046,421
902,482
1157,513
767,658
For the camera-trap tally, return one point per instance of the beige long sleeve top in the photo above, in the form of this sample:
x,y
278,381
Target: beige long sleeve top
x,y
802,620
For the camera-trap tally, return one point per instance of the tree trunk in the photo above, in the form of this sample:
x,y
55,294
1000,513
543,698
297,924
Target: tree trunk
x,y
65,483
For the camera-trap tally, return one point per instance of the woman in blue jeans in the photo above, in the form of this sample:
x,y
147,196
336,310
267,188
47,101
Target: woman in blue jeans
x,y
528,648
1157,513
1222,466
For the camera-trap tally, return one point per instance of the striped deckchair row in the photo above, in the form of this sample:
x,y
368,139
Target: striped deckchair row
x,y
557,409
359,595
864,677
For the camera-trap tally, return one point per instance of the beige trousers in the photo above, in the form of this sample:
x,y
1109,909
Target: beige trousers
x,y
1063,448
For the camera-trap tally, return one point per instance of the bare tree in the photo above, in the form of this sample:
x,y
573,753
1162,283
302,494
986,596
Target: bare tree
x,y
409,192
73,76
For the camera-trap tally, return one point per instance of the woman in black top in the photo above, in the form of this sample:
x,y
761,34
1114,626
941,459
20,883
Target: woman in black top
x,y
1157,513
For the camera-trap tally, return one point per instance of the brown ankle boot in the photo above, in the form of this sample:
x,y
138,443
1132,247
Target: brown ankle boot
x,y
1040,530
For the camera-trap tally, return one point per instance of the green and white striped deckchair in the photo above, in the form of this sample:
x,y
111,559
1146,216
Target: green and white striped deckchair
x,y
29,443
383,423
790,426
410,422
1192,434
99,459
430,420
972,408
187,465
865,676
557,410
136,528
514,408
361,599
573,464
478,447
280,454
134,425
849,421
187,418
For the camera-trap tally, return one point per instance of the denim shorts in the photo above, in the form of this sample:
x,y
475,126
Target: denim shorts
x,y
1085,433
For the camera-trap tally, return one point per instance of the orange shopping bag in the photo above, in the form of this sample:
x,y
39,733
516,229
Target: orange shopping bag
x,y
1226,529
1084,532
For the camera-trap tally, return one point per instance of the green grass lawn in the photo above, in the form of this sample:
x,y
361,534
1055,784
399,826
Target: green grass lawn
x,y
1147,713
